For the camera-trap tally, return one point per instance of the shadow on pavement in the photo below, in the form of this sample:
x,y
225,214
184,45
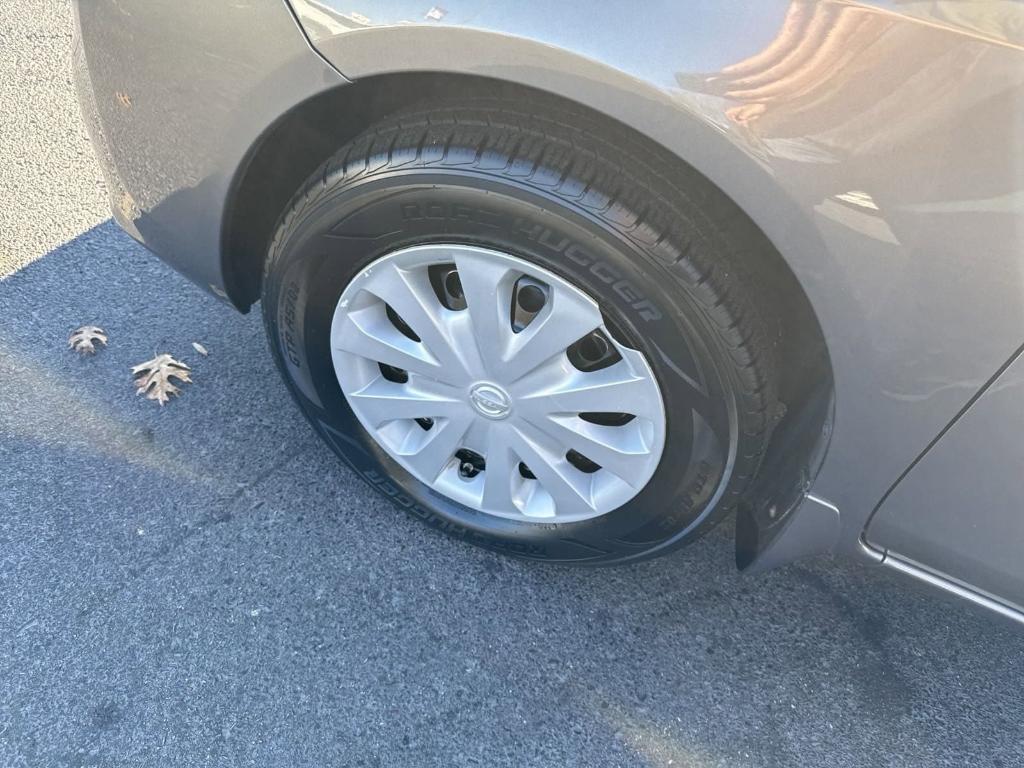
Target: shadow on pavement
x,y
205,584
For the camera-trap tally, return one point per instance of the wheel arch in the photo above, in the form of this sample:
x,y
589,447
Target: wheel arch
x,y
297,143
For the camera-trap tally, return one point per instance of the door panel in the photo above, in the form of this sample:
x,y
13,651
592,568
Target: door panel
x,y
960,510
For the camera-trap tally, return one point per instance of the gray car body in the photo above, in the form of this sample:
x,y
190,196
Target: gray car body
x,y
877,145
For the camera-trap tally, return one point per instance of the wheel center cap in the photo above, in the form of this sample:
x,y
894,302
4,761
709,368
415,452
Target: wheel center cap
x,y
490,400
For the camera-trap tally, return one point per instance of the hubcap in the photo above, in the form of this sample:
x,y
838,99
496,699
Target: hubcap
x,y
497,383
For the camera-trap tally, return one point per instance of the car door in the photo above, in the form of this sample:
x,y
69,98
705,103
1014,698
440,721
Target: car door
x,y
959,511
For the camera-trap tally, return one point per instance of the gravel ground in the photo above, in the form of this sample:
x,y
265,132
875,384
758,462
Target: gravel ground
x,y
204,584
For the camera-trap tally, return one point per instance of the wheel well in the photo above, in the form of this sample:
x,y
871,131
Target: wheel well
x,y
294,146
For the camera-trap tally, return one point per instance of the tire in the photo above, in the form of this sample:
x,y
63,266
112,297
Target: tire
x,y
660,254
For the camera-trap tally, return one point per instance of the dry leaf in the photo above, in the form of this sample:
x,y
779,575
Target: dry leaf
x,y
200,348
83,340
153,377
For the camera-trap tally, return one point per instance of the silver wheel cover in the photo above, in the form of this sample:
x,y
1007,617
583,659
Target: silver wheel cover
x,y
476,386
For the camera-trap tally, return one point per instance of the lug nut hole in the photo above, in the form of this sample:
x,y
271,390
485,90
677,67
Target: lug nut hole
x,y
397,375
530,299
471,463
607,419
453,285
447,285
593,347
581,462
400,324
593,352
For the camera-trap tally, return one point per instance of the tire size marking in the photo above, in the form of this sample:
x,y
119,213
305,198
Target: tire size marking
x,y
288,337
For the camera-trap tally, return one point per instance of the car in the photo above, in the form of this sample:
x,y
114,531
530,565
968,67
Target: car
x,y
575,282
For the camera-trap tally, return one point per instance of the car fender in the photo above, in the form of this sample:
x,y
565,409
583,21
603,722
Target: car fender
x,y
824,122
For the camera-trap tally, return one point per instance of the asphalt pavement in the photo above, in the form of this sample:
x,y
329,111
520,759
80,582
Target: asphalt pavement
x,y
205,584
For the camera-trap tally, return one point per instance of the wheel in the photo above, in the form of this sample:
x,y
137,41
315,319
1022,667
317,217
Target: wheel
x,y
511,323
